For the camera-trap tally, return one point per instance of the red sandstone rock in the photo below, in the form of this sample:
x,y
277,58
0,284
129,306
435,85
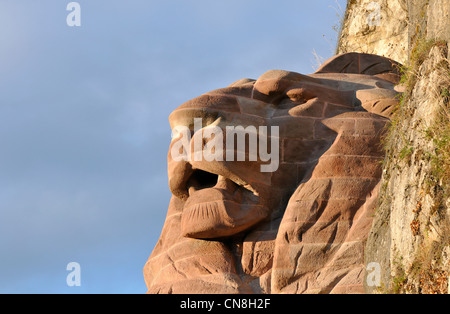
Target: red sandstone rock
x,y
231,228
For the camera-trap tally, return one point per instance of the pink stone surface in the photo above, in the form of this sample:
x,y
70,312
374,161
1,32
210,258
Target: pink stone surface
x,y
232,229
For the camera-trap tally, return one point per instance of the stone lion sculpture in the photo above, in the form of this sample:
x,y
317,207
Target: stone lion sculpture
x,y
232,228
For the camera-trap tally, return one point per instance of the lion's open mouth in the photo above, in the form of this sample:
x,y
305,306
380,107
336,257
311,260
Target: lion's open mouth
x,y
201,180
218,207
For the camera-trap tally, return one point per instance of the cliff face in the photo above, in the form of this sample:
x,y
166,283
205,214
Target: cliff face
x,y
377,27
410,237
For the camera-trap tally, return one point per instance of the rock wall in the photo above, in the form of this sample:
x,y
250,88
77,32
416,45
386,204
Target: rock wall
x,y
409,244
377,27
428,18
411,234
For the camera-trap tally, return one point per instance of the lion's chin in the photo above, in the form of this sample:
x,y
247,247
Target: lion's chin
x,y
211,214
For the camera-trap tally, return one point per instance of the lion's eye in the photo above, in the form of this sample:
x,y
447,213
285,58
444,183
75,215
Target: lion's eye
x,y
288,102
295,97
301,94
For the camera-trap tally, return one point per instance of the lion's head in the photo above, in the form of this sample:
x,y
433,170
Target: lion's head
x,y
289,208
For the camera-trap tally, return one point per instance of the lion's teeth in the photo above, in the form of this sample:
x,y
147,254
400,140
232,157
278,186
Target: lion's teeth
x,y
221,179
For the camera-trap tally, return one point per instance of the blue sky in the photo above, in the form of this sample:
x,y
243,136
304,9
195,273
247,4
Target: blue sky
x,y
83,120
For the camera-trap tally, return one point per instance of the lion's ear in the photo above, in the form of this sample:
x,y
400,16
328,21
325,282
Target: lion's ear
x,y
363,63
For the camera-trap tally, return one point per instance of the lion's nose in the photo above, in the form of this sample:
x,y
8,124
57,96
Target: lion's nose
x,y
179,174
